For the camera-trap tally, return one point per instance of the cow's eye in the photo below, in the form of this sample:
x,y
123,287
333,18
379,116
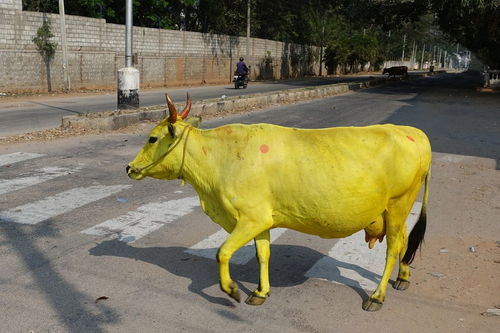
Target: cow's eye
x,y
152,139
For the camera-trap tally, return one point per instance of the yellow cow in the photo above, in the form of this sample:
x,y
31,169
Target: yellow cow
x,y
328,182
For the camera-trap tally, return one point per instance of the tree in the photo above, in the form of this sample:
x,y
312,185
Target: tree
x,y
46,47
474,24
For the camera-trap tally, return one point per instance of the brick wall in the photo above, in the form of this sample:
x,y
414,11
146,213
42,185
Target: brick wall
x,y
164,57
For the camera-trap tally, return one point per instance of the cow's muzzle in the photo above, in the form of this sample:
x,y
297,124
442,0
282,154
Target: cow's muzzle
x,y
134,173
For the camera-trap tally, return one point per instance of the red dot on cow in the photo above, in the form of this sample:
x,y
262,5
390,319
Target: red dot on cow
x,y
264,148
410,138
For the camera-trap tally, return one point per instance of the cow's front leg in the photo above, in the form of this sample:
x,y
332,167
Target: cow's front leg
x,y
242,234
263,252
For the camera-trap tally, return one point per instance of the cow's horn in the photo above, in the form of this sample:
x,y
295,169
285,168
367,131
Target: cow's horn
x,y
171,110
187,108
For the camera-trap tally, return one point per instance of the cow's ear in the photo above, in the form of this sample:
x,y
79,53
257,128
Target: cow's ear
x,y
171,130
194,121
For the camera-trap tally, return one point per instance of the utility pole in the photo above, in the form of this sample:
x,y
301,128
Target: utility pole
x,y
422,59
413,55
416,52
248,28
128,33
62,20
404,44
321,48
128,77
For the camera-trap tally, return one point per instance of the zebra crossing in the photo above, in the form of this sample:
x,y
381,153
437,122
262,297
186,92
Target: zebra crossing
x,y
144,220
7,159
349,261
43,175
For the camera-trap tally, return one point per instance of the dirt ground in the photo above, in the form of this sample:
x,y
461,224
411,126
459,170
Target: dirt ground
x,y
460,259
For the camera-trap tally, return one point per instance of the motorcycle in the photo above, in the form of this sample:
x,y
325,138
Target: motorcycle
x,y
240,80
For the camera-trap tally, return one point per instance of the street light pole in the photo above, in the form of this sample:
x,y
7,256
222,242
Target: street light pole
x,y
422,59
128,77
321,49
62,20
128,33
248,29
404,44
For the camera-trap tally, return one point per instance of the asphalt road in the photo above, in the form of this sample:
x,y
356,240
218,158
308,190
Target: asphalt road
x,y
28,114
85,249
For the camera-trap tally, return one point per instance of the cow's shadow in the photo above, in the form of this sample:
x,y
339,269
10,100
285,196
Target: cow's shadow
x,y
288,267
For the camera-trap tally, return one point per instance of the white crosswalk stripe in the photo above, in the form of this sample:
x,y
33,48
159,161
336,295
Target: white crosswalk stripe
x,y
42,210
7,159
43,175
351,262
208,247
144,220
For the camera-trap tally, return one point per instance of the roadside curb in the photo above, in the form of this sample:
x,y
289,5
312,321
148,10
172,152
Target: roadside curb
x,y
114,120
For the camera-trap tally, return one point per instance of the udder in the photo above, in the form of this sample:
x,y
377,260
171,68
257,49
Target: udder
x,y
374,231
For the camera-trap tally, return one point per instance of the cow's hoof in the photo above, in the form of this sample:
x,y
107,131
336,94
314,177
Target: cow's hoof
x,y
401,284
234,292
255,299
372,305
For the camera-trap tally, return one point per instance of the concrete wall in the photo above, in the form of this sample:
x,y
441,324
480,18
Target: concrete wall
x,y
164,57
11,4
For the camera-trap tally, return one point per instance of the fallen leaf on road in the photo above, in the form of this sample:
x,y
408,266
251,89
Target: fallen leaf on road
x,y
102,298
438,275
491,313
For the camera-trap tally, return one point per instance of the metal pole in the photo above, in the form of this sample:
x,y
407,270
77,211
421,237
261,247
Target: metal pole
x,y
422,59
62,20
404,43
321,50
128,33
415,61
248,28
413,55
128,77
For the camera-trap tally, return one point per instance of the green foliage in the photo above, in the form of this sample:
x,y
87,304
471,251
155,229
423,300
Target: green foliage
x,y
332,23
45,46
219,16
474,24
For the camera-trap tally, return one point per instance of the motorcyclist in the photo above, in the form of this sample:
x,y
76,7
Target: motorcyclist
x,y
241,67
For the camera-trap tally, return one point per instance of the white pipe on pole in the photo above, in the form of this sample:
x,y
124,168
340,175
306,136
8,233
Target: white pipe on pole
x,y
128,33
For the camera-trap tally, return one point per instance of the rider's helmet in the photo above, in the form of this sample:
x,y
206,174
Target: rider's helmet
x,y
241,58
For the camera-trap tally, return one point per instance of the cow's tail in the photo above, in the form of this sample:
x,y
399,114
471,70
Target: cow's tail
x,y
417,234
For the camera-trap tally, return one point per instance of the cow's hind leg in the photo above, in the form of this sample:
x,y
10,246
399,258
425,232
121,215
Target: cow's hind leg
x,y
403,281
395,219
243,232
263,252
411,244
